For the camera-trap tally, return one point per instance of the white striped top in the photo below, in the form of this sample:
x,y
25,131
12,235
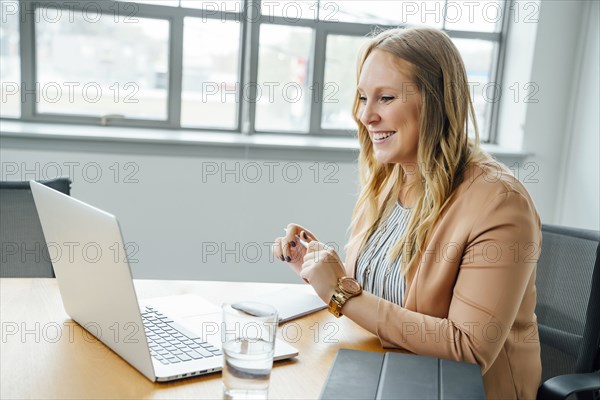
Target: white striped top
x,y
374,271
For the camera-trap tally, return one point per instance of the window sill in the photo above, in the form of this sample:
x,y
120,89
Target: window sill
x,y
10,129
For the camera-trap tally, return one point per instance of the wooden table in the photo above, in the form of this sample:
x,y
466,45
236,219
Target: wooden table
x,y
45,355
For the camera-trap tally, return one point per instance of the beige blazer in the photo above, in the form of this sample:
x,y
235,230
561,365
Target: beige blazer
x,y
471,296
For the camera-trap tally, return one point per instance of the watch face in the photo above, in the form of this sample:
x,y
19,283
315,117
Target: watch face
x,y
350,285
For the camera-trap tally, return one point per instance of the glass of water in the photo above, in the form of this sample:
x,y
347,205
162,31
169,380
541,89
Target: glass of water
x,y
248,336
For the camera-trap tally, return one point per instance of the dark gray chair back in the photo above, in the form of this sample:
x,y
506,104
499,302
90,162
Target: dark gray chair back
x,y
23,250
568,301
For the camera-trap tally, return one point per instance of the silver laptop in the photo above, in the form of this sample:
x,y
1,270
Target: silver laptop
x,y
88,255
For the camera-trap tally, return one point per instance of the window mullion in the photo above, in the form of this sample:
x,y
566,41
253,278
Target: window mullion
x,y
498,74
29,89
175,71
318,80
248,93
243,73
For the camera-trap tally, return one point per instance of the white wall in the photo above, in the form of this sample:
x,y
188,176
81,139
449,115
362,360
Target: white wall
x,y
520,45
190,225
579,189
557,126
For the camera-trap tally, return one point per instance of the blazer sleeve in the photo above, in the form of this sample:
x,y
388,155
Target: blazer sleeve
x,y
498,260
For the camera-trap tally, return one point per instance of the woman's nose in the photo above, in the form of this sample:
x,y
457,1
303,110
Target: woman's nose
x,y
368,115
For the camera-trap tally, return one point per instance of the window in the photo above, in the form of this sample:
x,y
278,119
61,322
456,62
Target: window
x,y
269,66
283,99
211,61
10,74
101,68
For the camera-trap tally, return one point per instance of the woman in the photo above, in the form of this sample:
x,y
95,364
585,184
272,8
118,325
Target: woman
x,y
444,241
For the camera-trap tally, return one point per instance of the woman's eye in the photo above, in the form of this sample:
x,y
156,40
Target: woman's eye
x,y
362,99
387,99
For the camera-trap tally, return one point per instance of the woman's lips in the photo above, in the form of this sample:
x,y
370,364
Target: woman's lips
x,y
381,136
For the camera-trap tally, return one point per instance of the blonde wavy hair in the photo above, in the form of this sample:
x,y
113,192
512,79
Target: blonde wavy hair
x,y
444,147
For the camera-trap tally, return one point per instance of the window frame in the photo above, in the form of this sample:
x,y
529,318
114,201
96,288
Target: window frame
x,y
247,67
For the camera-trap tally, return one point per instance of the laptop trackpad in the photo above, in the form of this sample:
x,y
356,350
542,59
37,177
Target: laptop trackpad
x,y
193,312
182,306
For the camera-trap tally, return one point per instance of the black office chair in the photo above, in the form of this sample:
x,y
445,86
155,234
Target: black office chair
x,y
23,250
568,312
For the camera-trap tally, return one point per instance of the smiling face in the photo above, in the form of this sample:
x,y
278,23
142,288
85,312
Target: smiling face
x,y
390,107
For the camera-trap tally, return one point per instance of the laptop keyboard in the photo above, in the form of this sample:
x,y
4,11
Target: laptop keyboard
x,y
168,342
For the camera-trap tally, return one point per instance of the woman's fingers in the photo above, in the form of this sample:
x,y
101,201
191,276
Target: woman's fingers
x,y
293,230
291,246
290,234
277,250
286,250
322,268
320,252
315,252
304,275
306,235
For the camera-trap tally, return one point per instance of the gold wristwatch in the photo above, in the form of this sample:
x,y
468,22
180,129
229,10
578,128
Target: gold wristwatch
x,y
347,288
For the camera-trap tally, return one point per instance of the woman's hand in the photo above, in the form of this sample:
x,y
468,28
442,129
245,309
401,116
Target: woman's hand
x,y
322,268
288,249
